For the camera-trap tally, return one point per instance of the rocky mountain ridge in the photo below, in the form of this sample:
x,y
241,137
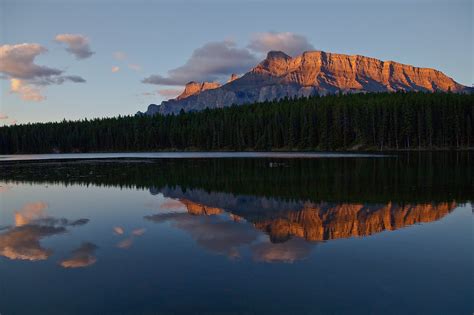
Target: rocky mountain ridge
x,y
311,73
193,88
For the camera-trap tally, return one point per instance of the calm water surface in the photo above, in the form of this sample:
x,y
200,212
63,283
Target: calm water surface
x,y
266,235
182,155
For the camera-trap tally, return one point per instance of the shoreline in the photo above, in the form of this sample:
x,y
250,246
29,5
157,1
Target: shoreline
x,y
184,155
142,156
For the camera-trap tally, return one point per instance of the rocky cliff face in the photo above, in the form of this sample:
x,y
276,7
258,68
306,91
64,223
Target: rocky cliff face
x,y
233,77
193,88
312,73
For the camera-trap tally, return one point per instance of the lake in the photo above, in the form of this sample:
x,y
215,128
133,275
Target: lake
x,y
246,233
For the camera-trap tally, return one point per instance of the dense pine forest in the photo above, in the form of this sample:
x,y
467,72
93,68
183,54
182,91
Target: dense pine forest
x,y
383,121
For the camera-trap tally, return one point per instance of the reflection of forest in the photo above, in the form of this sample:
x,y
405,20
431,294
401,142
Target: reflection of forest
x,y
405,178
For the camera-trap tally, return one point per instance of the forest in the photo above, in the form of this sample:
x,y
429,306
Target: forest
x,y
373,121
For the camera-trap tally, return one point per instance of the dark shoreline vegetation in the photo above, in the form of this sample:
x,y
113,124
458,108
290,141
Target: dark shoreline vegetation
x,y
407,177
380,121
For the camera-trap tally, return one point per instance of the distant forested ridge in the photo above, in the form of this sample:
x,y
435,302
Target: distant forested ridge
x,y
382,121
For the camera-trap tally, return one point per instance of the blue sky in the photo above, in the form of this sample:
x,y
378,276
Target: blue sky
x,y
158,36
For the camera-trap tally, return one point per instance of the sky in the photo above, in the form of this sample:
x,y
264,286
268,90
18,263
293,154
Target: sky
x,y
74,59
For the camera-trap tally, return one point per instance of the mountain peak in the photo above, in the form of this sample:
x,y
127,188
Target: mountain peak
x,y
275,64
277,54
233,77
193,87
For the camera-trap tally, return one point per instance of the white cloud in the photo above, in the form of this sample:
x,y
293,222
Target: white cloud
x,y
26,91
17,63
120,56
217,60
290,43
170,93
78,45
211,62
57,80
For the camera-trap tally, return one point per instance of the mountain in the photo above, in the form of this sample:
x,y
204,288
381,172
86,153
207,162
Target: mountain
x,y
312,73
193,88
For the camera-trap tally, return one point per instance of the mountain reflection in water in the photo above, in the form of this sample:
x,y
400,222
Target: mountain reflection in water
x,y
222,222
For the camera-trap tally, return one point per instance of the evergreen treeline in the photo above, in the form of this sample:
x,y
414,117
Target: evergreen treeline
x,y
382,121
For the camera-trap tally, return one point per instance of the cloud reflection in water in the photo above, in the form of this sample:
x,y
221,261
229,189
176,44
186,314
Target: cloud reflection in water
x,y
22,241
81,257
